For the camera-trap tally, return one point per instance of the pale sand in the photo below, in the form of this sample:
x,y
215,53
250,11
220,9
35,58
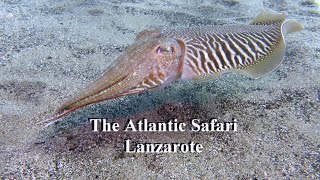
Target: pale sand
x,y
51,49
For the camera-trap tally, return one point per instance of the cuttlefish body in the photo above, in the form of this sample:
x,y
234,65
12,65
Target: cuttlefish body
x,y
159,57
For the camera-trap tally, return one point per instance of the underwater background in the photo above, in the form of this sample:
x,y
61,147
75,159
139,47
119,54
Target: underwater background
x,y
50,49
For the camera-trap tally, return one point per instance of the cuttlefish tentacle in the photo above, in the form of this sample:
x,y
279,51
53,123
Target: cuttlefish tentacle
x,y
159,57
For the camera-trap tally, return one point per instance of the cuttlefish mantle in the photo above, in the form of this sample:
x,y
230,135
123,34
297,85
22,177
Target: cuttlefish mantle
x,y
159,57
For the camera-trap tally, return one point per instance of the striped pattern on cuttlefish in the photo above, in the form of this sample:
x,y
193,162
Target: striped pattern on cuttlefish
x,y
159,57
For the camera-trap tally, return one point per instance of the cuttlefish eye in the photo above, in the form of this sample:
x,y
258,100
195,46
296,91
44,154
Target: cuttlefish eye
x,y
165,49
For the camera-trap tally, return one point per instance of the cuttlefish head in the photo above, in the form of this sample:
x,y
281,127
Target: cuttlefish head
x,y
148,63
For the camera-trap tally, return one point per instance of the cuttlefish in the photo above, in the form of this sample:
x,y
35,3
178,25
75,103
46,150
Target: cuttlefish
x,y
160,56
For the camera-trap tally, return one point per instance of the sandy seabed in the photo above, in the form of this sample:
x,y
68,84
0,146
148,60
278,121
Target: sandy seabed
x,y
50,49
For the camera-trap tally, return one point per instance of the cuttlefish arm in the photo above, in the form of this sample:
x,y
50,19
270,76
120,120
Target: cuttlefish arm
x,y
158,58
148,63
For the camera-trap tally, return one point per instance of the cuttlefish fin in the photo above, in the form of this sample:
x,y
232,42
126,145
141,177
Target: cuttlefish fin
x,y
274,59
268,16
